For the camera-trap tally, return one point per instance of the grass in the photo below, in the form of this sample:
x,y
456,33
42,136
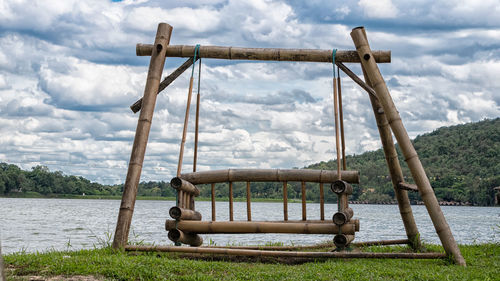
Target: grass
x,y
483,264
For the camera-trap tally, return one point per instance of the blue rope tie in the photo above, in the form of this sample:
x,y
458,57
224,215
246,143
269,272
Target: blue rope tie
x,y
334,52
196,53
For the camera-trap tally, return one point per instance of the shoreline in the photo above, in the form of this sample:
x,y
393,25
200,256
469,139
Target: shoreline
x,y
208,199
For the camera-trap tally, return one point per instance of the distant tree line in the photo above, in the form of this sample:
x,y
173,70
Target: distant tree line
x,y
462,163
40,180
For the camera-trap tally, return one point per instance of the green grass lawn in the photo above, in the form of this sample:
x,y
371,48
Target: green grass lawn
x,y
483,263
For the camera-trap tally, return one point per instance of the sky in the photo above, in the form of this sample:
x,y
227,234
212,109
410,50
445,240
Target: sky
x,y
68,74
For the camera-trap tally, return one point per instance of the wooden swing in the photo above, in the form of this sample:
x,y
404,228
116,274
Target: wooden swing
x,y
187,223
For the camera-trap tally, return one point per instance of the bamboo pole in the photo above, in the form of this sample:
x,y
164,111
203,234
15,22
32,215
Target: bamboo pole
x,y
342,240
141,136
321,202
289,254
269,175
166,82
179,199
184,185
249,204
184,214
356,79
285,201
341,119
407,186
231,201
391,157
192,239
302,227
411,157
269,54
381,242
197,121
340,187
186,200
316,246
184,130
343,217
213,201
303,189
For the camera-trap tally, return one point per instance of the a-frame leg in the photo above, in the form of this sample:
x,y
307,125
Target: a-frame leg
x,y
156,65
424,187
391,157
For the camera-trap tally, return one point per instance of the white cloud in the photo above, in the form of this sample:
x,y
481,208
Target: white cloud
x,y
68,73
379,9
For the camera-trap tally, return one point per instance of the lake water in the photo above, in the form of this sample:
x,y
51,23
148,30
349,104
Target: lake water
x,y
44,224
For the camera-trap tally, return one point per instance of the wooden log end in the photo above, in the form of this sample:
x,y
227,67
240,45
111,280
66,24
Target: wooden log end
x,y
136,106
341,187
342,240
192,239
341,218
143,49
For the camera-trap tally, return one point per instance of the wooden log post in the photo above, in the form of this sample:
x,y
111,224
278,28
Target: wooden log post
x,y
249,203
321,202
304,210
391,158
285,200
411,156
213,200
156,65
231,210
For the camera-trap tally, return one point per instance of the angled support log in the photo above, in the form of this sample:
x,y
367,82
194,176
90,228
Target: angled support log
x,y
418,173
156,65
407,186
357,80
391,158
166,82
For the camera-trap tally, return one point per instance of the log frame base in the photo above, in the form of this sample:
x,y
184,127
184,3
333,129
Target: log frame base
x,y
290,254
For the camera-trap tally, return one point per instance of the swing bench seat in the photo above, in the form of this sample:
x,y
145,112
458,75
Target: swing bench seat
x,y
187,224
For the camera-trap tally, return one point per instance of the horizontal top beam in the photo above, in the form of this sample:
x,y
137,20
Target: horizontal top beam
x,y
269,175
266,54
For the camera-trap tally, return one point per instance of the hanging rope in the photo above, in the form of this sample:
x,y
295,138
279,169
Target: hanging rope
x,y
336,114
198,97
341,118
186,117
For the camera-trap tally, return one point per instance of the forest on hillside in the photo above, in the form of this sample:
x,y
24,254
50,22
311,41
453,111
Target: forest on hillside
x,y
462,163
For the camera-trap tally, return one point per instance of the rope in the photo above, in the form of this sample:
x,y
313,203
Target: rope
x,y
334,52
196,53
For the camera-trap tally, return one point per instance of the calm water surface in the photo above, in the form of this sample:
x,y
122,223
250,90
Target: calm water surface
x,y
43,224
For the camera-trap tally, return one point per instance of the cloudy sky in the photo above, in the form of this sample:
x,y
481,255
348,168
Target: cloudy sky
x,y
68,73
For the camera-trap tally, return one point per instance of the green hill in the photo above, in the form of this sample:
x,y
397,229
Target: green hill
x,y
462,163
